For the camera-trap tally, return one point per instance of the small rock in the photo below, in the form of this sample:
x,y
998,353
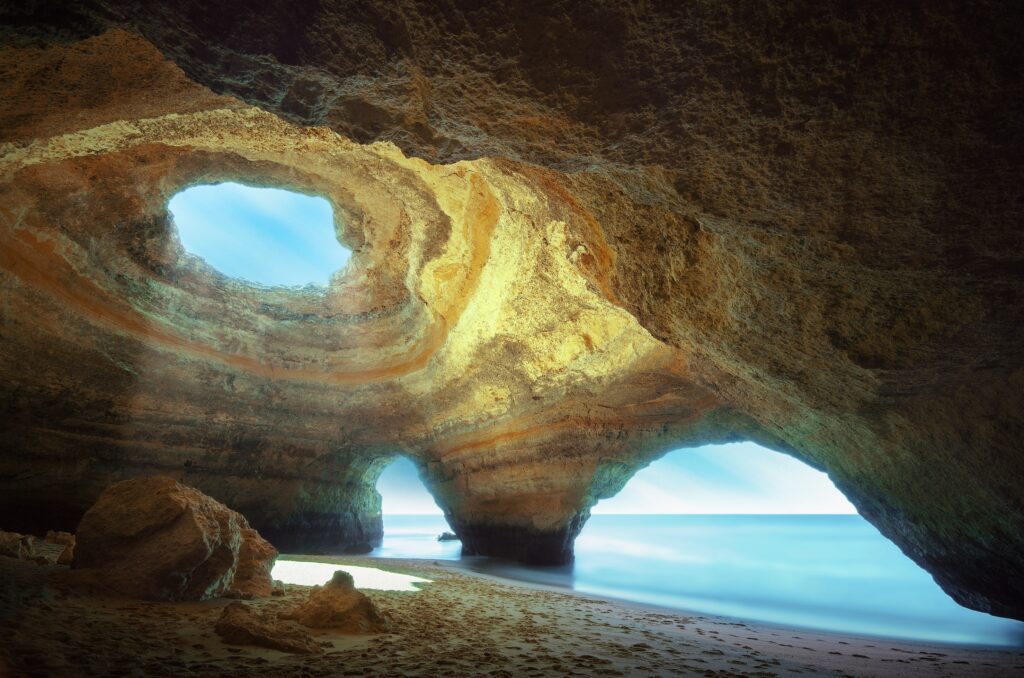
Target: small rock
x,y
338,605
65,539
447,536
239,625
17,545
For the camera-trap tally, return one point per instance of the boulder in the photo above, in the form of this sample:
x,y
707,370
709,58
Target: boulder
x,y
256,557
31,548
339,606
16,545
67,541
240,625
155,538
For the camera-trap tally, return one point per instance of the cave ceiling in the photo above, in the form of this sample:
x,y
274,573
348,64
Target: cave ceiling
x,y
582,236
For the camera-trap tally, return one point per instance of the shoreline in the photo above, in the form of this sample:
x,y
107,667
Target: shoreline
x,y
462,623
666,609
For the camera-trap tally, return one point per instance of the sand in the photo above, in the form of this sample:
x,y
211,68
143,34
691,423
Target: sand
x,y
461,624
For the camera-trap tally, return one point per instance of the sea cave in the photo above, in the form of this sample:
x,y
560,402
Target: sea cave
x,y
507,264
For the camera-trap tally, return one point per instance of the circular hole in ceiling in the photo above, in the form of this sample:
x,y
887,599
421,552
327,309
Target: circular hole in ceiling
x,y
268,236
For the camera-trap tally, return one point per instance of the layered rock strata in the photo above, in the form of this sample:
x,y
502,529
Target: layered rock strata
x,y
581,237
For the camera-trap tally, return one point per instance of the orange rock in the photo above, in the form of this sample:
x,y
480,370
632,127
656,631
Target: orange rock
x,y
339,606
256,558
155,538
239,625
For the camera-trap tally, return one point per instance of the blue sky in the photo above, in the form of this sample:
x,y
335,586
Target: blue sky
x,y
277,237
733,478
402,491
266,235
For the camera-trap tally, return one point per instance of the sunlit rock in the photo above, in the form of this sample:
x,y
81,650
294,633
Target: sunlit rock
x,y
338,605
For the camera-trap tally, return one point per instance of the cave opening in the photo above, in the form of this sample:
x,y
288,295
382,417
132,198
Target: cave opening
x,y
268,236
743,531
413,522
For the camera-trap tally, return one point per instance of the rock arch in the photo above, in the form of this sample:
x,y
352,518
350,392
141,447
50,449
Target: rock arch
x,y
769,227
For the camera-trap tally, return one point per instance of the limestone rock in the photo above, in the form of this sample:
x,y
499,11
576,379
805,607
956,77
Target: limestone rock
x,y
240,625
338,605
16,545
67,541
582,236
155,538
256,557
31,548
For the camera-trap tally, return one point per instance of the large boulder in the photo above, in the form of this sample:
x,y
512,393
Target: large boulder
x,y
339,606
156,538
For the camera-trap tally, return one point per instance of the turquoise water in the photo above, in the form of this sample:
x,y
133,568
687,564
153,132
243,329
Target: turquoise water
x,y
832,572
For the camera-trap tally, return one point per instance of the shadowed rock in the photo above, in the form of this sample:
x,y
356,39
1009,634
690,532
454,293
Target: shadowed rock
x,y
155,538
239,625
339,606
16,545
67,541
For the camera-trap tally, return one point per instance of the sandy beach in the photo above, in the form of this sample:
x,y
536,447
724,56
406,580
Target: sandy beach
x,y
460,624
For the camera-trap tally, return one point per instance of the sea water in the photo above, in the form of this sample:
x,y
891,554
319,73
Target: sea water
x,y
831,572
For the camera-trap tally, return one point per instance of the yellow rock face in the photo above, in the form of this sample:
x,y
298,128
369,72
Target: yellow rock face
x,y
567,260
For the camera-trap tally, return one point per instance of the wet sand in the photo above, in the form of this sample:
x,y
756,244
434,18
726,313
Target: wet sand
x,y
462,624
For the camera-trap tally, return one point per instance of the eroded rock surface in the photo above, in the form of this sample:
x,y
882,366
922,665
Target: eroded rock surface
x,y
667,225
338,605
17,545
155,538
241,625
66,541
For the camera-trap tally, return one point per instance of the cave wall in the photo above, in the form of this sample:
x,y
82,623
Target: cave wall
x,y
583,236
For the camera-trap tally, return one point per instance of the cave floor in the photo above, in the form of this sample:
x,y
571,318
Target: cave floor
x,y
461,624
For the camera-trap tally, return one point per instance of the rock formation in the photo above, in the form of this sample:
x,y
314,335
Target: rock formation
x,y
583,236
66,541
240,625
155,538
16,545
54,550
256,557
339,606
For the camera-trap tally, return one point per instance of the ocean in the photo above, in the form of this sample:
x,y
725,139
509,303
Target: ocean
x,y
825,572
